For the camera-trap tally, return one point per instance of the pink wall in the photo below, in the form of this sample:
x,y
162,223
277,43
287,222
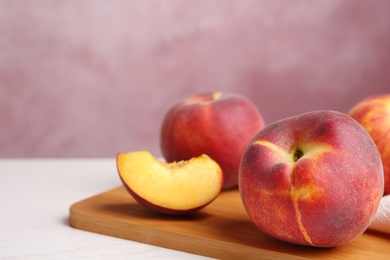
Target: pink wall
x,y
93,78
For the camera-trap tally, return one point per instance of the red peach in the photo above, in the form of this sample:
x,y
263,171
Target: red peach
x,y
219,125
314,179
373,113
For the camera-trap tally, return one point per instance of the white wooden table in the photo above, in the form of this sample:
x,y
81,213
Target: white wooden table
x,y
35,196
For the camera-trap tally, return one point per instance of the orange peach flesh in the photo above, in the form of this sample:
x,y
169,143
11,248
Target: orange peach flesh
x,y
179,185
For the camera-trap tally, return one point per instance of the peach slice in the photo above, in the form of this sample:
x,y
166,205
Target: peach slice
x,y
175,188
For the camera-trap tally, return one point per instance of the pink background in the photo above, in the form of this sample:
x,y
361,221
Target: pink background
x,y
93,78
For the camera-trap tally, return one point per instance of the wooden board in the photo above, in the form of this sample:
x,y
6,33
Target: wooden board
x,y
221,230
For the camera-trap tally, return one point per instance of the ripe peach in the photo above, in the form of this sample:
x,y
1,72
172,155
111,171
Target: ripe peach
x,y
216,124
373,113
314,179
176,188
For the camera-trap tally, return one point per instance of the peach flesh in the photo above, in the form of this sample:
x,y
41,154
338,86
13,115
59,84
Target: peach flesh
x,y
172,188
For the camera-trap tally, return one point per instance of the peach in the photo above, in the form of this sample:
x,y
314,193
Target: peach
x,y
176,188
219,125
313,179
373,113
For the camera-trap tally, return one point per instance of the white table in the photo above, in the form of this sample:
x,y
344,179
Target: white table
x,y
35,196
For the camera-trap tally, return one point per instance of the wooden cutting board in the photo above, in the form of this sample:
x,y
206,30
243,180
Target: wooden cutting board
x,y
221,230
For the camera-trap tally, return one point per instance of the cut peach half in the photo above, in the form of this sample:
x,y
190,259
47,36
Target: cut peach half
x,y
175,188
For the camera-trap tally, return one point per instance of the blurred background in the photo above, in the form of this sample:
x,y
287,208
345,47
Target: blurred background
x,y
94,78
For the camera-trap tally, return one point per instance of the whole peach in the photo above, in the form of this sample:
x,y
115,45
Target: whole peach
x,y
217,124
373,113
314,179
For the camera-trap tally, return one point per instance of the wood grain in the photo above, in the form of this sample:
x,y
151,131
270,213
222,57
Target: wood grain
x,y
221,230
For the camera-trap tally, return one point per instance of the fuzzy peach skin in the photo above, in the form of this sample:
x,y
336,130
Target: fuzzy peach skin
x,y
373,113
314,179
217,124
